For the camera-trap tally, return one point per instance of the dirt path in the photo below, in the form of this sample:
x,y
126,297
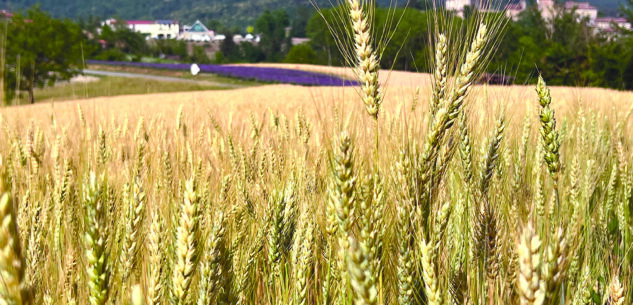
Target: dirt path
x,y
158,78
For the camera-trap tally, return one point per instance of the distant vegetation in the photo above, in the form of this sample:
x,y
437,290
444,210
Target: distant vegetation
x,y
568,50
230,12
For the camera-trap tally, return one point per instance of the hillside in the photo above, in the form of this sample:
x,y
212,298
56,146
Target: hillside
x,y
230,12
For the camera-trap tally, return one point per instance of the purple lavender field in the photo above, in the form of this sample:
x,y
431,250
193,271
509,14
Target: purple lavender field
x,y
262,74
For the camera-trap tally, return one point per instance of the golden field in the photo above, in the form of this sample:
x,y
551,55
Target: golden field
x,y
237,197
317,101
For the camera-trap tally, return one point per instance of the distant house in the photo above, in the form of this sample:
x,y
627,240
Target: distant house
x,y
237,38
157,29
611,24
582,9
457,6
196,32
5,15
299,40
514,9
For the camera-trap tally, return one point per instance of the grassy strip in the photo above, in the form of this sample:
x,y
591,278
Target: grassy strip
x,y
173,73
115,86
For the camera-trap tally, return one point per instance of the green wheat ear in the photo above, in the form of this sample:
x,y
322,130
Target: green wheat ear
x,y
95,242
550,135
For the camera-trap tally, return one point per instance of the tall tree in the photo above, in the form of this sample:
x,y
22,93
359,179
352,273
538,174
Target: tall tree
x,y
272,26
626,8
40,51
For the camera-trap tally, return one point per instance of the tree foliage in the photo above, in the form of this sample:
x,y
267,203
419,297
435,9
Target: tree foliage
x,y
40,51
272,26
301,54
566,49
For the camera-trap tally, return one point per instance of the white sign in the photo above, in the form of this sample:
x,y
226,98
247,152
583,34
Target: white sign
x,y
194,69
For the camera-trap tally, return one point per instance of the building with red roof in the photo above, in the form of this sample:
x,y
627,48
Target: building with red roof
x,y
156,29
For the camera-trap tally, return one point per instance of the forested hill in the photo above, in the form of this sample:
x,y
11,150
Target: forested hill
x,y
229,12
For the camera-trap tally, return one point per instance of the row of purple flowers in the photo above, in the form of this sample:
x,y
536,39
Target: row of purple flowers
x,y
262,74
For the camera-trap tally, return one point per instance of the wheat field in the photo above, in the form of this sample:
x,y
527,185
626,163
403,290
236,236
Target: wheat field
x,y
425,189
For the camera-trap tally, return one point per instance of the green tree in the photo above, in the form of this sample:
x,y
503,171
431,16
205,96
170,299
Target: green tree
x,y
219,57
626,8
40,51
300,21
229,49
272,26
408,39
215,25
321,40
301,54
200,55
251,53
124,39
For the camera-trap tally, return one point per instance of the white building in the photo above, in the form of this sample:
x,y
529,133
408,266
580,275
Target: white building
x,y
514,9
237,38
196,32
549,9
582,9
611,24
159,29
457,6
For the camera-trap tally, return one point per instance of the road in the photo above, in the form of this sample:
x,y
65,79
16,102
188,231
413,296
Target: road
x,y
158,78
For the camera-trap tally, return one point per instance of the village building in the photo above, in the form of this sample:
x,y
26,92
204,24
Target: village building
x,y
582,9
158,29
514,9
4,14
611,24
457,6
196,32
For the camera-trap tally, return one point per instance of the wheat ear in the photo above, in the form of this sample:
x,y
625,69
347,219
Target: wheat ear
x,y
153,284
405,268
360,271
529,284
450,109
440,74
95,241
556,265
133,228
616,292
491,156
549,134
304,265
342,193
210,264
11,259
429,274
186,245
367,65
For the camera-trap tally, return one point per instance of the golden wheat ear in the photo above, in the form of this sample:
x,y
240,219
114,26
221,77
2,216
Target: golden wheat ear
x,y
11,259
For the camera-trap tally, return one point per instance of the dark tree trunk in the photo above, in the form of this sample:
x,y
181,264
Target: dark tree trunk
x,y
31,95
